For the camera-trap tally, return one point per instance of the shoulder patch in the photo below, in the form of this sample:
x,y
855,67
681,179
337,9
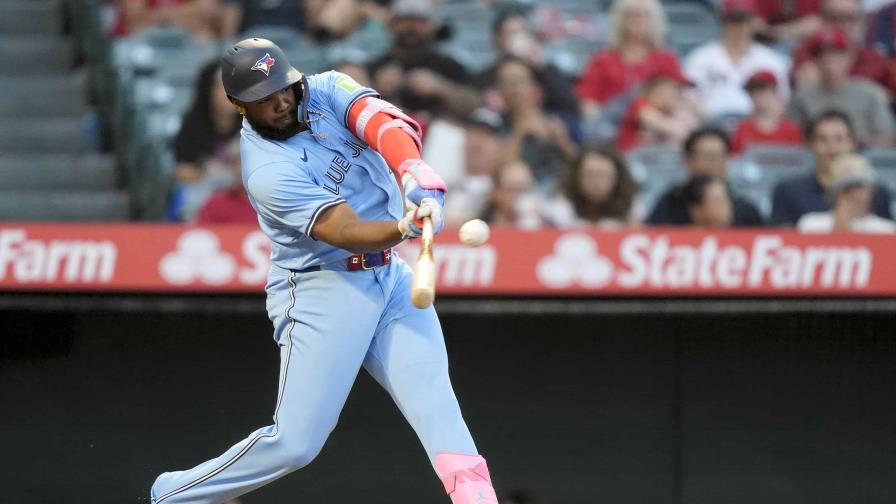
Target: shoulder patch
x,y
347,84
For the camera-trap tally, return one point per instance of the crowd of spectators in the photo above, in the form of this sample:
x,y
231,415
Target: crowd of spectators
x,y
522,143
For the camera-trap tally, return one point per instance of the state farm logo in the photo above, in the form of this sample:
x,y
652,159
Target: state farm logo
x,y
575,261
198,257
653,261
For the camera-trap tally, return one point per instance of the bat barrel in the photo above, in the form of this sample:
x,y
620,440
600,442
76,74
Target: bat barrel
x,y
423,290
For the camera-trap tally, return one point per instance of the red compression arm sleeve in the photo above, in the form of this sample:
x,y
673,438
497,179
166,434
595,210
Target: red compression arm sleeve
x,y
396,145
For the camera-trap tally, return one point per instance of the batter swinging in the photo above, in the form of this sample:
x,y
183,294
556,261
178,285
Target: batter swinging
x,y
321,155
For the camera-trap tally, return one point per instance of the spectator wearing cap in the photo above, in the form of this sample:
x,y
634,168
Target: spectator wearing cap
x,y
788,20
537,137
719,69
513,36
767,124
848,16
598,191
637,33
863,101
706,153
851,191
829,136
201,18
414,75
662,115
482,152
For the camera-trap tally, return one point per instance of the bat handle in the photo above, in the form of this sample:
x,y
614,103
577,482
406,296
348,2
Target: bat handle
x,y
426,236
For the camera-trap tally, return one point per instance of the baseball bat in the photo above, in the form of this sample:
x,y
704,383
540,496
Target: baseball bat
x,y
423,290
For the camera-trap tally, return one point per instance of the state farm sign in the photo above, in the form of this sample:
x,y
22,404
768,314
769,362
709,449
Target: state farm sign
x,y
25,260
652,261
235,259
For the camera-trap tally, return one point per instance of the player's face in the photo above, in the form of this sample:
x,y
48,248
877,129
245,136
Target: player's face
x,y
275,116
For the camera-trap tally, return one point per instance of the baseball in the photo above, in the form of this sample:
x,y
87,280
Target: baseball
x,y
474,233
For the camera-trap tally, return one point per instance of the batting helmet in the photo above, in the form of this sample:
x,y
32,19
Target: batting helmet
x,y
255,68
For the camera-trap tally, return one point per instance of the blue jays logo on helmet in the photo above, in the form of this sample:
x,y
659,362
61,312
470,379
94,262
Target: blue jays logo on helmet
x,y
264,64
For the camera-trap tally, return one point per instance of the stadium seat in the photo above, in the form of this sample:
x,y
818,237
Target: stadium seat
x,y
308,58
690,24
64,205
368,43
40,95
884,163
881,159
43,134
471,41
148,51
571,54
57,171
30,18
655,169
760,168
728,122
287,38
303,54
34,54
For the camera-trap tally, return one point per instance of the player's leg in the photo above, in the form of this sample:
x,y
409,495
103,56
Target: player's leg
x,y
322,346
408,358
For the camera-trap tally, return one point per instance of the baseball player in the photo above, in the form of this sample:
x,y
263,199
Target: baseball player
x,y
321,156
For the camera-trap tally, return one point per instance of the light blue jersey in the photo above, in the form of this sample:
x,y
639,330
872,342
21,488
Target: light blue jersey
x,y
330,322
291,183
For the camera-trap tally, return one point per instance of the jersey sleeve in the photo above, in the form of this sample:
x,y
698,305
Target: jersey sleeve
x,y
344,92
290,197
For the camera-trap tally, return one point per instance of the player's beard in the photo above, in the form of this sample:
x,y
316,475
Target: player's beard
x,y
278,134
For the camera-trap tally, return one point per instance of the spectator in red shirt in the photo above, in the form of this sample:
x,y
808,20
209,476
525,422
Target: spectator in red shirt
x,y
767,124
638,28
847,16
660,116
202,18
227,206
